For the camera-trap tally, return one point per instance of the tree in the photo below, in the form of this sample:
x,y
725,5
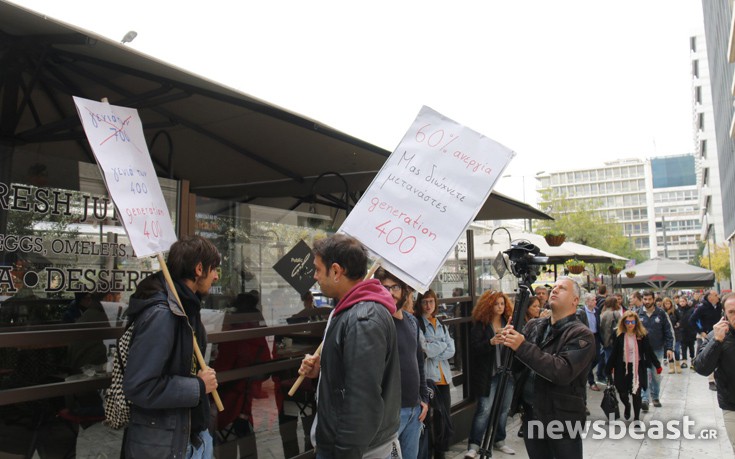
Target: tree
x,y
584,224
718,260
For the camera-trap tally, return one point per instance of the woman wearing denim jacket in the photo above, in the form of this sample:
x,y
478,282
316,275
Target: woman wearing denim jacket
x,y
438,346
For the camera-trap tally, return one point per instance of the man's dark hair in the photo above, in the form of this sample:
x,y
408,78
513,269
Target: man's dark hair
x,y
648,293
187,253
382,274
347,252
637,295
602,290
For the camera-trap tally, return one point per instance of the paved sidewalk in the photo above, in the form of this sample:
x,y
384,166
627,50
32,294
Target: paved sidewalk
x,y
681,394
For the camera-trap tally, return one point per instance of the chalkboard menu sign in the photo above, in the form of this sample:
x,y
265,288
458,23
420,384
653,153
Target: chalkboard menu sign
x,y
297,267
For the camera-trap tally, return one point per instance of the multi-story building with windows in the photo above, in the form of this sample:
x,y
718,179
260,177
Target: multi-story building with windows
x,y
720,48
646,198
706,146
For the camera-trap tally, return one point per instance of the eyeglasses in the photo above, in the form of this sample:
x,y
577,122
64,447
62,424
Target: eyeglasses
x,y
428,301
393,288
631,322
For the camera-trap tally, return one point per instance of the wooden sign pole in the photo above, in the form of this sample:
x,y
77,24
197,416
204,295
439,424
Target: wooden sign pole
x,y
318,351
197,351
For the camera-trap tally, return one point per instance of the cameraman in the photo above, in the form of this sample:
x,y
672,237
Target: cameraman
x,y
557,352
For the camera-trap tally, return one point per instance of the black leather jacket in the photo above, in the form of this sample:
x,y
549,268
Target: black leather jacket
x,y
560,362
360,386
719,358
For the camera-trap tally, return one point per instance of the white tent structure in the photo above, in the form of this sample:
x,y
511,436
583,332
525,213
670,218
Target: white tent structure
x,y
662,273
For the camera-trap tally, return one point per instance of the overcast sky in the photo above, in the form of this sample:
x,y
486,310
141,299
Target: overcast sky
x,y
564,83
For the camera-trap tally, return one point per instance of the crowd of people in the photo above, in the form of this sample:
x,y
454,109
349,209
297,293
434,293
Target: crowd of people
x,y
384,372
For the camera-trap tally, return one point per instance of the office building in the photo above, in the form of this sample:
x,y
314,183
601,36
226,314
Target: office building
x,y
654,201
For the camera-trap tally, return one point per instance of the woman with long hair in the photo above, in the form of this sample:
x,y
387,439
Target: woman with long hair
x,y
631,356
675,317
492,312
439,348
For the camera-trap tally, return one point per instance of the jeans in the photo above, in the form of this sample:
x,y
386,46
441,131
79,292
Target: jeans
x,y
687,348
598,357
601,370
604,356
482,413
205,450
654,379
409,431
677,350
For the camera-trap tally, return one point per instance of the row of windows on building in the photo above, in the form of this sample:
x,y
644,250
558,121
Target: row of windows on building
x,y
678,239
673,210
596,189
683,255
676,196
595,175
679,225
635,228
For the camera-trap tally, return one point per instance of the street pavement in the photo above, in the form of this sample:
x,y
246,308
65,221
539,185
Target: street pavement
x,y
685,394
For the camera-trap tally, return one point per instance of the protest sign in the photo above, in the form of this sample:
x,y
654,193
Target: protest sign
x,y
425,196
116,137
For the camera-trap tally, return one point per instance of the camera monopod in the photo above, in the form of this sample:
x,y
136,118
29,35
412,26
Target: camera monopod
x,y
525,258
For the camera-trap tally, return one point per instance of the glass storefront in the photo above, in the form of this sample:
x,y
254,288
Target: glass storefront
x,y
67,271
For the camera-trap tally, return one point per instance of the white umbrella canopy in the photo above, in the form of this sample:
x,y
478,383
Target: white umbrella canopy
x,y
557,255
662,273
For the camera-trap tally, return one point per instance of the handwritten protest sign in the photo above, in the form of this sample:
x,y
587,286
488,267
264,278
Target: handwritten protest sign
x,y
425,196
116,137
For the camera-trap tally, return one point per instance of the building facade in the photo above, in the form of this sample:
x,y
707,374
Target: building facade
x,y
655,201
705,141
720,45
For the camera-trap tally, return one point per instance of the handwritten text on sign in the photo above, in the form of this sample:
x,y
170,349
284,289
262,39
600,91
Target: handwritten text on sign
x,y
116,136
425,196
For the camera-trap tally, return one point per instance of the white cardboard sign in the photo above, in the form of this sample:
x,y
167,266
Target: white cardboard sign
x,y
116,137
426,195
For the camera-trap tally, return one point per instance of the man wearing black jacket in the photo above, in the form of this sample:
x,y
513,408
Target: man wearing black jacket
x,y
359,388
704,317
557,352
718,355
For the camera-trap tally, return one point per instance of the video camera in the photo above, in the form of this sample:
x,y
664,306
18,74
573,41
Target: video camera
x,y
525,260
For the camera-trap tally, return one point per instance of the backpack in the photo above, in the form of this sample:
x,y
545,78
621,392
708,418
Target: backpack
x,y
117,407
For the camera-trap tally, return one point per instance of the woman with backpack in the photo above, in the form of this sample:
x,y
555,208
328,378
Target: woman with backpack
x,y
439,348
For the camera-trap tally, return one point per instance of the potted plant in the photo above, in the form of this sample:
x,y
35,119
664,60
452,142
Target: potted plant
x,y
630,274
575,266
614,269
555,238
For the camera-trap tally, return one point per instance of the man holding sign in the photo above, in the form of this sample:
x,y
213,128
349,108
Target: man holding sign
x,y
359,390
168,389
